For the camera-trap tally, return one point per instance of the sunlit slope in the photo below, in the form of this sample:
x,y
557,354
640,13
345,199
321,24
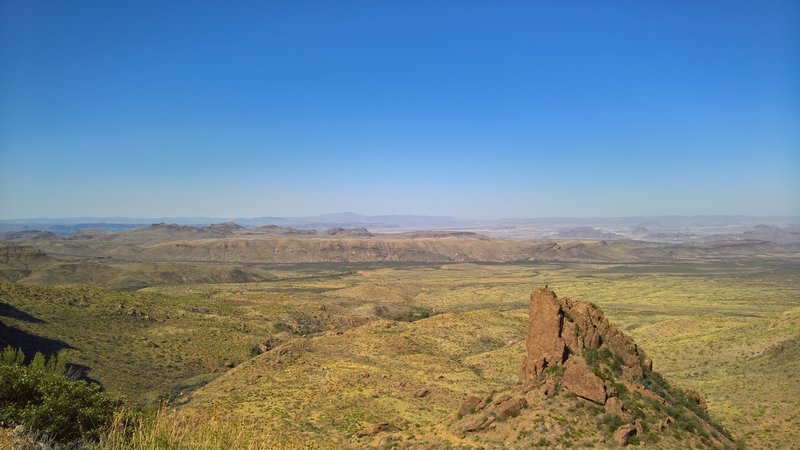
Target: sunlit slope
x,y
136,344
709,326
333,388
748,368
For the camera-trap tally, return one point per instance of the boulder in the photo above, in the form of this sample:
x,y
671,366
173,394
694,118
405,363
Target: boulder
x,y
623,434
509,407
477,423
375,428
498,400
469,406
579,378
548,388
615,406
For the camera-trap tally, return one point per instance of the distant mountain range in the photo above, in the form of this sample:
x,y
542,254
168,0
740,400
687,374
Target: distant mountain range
x,y
655,229
346,219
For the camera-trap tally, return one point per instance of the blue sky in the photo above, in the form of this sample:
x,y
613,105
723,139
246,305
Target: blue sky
x,y
471,109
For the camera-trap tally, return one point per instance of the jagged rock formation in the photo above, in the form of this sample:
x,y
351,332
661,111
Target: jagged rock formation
x,y
573,351
560,329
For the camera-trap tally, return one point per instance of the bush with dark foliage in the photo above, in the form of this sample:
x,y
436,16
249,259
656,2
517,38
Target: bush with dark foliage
x,y
46,403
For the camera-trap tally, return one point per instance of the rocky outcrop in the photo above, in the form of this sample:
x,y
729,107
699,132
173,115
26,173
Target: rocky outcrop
x,y
573,354
132,313
575,340
562,334
562,328
489,410
544,343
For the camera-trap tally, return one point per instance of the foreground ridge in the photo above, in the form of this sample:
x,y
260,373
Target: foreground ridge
x,y
574,353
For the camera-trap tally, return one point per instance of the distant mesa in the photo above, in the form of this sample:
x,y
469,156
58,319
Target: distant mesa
x,y
31,235
11,252
167,226
227,227
172,231
586,233
87,234
357,232
171,227
765,227
283,231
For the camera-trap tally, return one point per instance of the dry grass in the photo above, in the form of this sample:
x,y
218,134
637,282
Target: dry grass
x,y
729,330
167,428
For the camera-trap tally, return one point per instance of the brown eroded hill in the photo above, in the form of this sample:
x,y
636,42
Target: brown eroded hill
x,y
29,265
20,261
232,243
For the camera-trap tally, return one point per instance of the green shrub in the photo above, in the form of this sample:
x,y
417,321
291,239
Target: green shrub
x,y
12,357
591,357
616,365
557,371
45,402
622,391
610,422
56,364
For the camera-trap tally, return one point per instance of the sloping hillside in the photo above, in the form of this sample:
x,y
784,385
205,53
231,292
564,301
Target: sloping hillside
x,y
403,384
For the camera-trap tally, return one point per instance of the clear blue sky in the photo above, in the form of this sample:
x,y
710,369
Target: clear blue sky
x,y
473,109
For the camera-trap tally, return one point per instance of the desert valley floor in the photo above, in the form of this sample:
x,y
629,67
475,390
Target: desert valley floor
x,y
311,353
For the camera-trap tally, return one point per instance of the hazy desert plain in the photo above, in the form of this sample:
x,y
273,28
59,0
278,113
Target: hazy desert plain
x,y
357,329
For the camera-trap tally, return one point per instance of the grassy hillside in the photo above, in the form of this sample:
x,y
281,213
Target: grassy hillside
x,y
715,327
329,389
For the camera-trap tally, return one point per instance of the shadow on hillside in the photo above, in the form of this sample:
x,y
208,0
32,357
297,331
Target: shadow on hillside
x,y
14,313
29,342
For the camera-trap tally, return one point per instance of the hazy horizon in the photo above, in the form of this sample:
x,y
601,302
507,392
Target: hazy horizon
x,y
470,110
341,216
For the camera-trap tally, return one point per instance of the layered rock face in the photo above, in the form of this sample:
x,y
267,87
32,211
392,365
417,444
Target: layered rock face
x,y
561,329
